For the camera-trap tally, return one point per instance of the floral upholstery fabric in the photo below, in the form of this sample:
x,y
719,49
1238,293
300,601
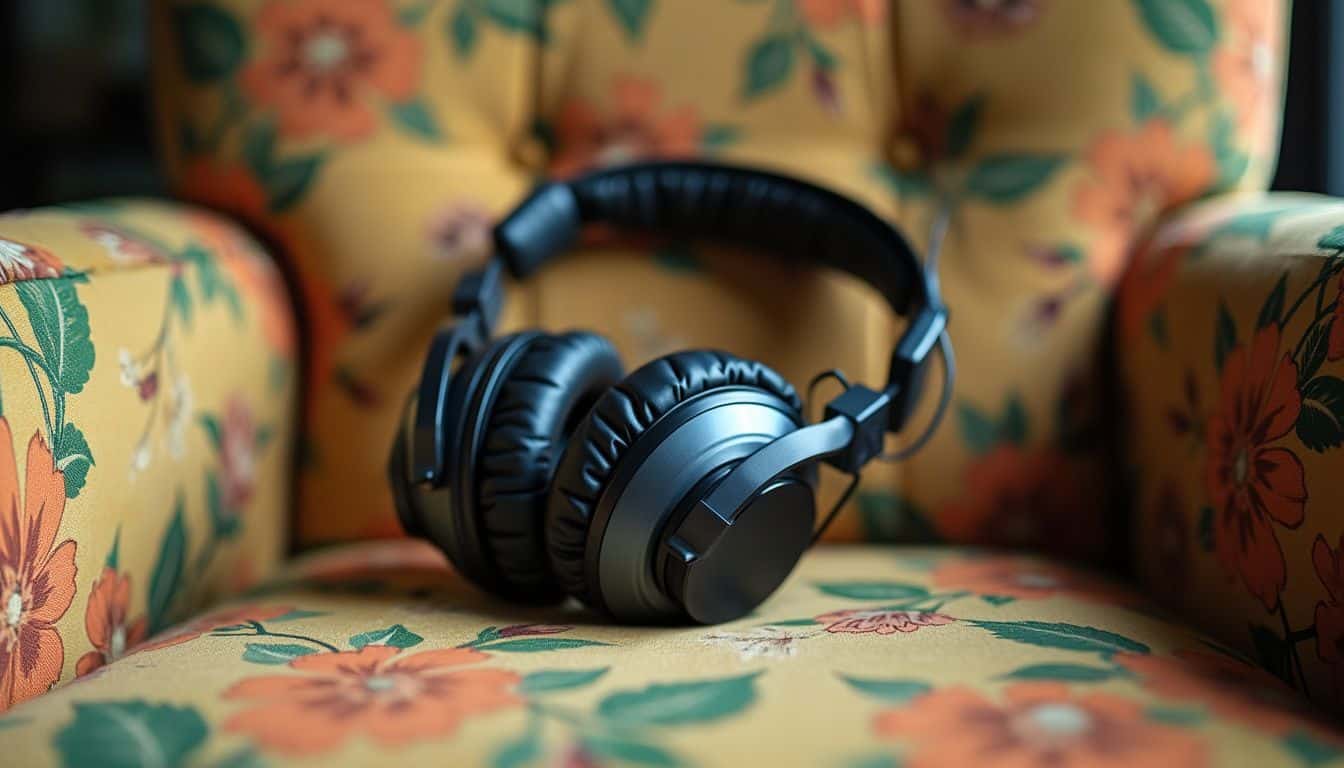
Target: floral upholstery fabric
x,y
377,139
146,387
1231,340
149,373
868,656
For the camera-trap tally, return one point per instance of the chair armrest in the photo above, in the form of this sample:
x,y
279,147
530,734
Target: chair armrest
x,y
1230,348
146,423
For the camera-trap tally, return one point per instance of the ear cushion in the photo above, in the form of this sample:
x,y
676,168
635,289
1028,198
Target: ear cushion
x,y
538,403
624,413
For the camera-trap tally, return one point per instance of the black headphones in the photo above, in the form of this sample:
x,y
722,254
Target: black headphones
x,y
686,489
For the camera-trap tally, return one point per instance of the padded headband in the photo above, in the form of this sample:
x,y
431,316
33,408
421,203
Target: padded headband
x,y
785,216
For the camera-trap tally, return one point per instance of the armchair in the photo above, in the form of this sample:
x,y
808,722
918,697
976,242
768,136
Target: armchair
x,y
1135,322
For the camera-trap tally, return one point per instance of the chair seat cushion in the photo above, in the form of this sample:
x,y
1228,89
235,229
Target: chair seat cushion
x,y
870,656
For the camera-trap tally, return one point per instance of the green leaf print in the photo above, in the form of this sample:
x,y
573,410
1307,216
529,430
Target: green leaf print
x,y
166,578
396,636
74,458
1181,26
1068,637
1224,336
462,30
210,43
961,127
537,644
627,749
1073,673
416,118
700,701
1320,423
769,64
872,590
631,14
1143,99
1008,178
275,653
61,326
131,732
1271,312
547,680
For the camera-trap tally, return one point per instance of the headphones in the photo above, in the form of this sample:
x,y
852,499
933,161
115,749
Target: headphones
x,y
684,490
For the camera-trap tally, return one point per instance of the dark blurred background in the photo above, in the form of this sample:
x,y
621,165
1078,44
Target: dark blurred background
x,y
75,120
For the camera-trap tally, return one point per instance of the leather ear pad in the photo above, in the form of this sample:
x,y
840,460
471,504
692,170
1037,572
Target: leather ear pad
x,y
624,413
540,400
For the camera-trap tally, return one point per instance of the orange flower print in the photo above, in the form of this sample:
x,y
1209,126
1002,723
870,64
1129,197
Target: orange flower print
x,y
1027,498
37,575
1134,178
1040,724
1251,484
985,19
395,700
823,14
228,188
1149,275
108,623
121,246
1246,65
373,559
1329,565
635,127
1144,287
323,61
20,261
200,625
1025,578
862,622
1235,690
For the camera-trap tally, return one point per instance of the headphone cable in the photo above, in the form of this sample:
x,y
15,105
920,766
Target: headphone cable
x,y
835,510
937,234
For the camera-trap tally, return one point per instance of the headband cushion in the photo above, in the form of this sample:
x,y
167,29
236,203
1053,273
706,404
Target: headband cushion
x,y
624,413
782,215
542,397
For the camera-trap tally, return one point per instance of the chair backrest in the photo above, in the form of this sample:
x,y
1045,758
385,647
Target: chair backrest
x,y
377,139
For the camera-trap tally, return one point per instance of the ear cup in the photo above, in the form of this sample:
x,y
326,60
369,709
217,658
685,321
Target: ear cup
x,y
620,417
536,402
399,480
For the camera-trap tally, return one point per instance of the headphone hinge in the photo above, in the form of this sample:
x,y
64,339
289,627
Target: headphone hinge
x,y
479,297
868,412
909,363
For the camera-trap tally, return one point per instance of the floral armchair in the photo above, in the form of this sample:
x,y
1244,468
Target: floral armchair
x,y
1150,380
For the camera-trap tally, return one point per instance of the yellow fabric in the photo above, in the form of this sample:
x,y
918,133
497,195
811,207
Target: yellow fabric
x,y
371,142
1231,340
146,390
925,657
1056,130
